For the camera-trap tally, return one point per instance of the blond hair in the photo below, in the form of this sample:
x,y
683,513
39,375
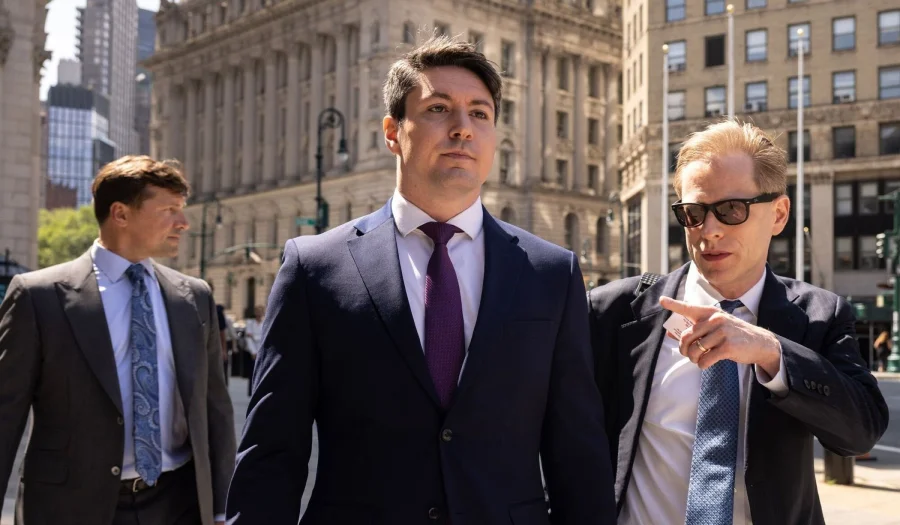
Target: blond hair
x,y
728,137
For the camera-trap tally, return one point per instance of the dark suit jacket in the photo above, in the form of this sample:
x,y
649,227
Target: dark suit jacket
x,y
340,349
58,360
832,395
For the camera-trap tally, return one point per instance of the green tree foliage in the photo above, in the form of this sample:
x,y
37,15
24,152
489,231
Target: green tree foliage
x,y
64,234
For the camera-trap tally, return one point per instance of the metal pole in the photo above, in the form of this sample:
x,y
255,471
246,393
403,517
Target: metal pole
x,y
799,266
203,242
730,59
893,364
664,180
319,225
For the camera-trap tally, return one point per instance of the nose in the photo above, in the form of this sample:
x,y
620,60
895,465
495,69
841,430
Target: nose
x,y
181,222
711,227
461,126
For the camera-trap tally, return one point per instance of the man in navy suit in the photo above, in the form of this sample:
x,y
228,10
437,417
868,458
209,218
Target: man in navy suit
x,y
711,419
443,355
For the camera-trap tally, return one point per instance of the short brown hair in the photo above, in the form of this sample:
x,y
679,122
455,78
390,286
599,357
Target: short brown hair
x,y
126,180
438,51
731,136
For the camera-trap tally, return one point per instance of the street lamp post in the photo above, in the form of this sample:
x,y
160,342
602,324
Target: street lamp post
x,y
614,199
204,234
329,118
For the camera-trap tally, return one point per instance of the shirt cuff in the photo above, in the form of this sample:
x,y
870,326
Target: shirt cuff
x,y
777,385
219,517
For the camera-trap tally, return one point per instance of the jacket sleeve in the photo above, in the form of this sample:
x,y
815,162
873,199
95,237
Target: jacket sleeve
x,y
274,451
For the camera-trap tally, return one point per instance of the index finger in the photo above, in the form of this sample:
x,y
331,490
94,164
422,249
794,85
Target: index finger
x,y
692,311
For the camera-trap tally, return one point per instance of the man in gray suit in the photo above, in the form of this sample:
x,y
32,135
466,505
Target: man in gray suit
x,y
119,359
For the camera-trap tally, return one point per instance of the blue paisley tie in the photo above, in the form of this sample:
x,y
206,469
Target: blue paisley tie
x,y
711,491
144,379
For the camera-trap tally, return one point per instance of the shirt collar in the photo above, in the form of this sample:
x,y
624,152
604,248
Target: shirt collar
x,y
408,217
114,265
699,291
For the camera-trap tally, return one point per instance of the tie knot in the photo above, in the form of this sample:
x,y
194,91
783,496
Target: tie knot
x,y
440,232
135,273
729,306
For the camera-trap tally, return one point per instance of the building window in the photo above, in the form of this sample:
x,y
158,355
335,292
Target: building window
x,y
562,74
593,131
562,171
792,145
794,39
844,142
779,256
756,4
375,33
867,204
715,7
792,92
507,112
593,177
505,165
757,97
675,10
715,101
373,140
674,149
600,237
507,57
715,51
843,86
441,29
508,215
843,200
677,56
633,242
478,40
843,34
890,139
868,260
843,253
676,101
890,186
562,124
757,45
889,82
571,225
409,33
594,82
889,28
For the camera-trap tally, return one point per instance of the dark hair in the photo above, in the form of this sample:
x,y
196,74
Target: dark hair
x,y
438,51
126,180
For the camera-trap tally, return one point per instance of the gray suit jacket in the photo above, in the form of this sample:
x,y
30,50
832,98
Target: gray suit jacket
x,y
57,359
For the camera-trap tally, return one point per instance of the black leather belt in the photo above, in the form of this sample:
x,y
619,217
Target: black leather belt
x,y
136,485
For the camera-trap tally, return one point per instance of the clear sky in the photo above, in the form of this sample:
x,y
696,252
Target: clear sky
x,y
61,34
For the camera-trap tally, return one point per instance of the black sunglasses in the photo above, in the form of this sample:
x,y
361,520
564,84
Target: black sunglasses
x,y
730,211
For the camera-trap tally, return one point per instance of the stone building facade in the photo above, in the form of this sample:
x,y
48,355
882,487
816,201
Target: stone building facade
x,y
239,87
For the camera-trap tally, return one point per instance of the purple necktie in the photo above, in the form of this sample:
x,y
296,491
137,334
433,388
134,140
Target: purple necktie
x,y
445,342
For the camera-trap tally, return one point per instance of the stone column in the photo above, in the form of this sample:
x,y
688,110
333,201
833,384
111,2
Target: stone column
x,y
292,136
174,125
228,123
303,153
609,81
270,133
363,131
821,228
209,133
534,132
248,154
190,132
549,146
579,121
315,98
342,86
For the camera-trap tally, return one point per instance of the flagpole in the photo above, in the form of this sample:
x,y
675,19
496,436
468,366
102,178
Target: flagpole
x,y
730,60
664,189
799,266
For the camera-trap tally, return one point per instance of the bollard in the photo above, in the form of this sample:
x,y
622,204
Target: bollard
x,y
838,469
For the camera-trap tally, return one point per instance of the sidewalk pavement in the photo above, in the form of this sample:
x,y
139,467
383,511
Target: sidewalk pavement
x,y
874,499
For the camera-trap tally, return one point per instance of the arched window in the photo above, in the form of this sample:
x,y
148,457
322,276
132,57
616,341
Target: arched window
x,y
572,234
600,237
506,159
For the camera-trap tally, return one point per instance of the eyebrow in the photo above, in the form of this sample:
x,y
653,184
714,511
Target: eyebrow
x,y
476,102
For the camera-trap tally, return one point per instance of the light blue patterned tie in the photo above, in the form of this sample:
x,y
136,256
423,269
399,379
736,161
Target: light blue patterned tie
x,y
144,380
711,491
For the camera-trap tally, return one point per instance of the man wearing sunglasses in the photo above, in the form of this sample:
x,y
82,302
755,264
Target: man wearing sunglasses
x,y
716,378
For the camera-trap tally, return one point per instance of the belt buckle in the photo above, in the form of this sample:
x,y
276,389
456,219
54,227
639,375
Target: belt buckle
x,y
134,485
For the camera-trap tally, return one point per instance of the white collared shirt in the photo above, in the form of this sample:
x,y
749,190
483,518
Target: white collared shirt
x,y
115,294
466,252
658,489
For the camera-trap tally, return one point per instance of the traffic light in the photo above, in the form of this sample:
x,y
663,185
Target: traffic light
x,y
881,246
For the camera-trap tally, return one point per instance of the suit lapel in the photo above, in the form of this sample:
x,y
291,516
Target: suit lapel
x,y
181,309
503,260
374,250
639,344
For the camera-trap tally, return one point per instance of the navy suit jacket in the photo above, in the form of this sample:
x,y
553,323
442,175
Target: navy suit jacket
x,y
340,349
832,395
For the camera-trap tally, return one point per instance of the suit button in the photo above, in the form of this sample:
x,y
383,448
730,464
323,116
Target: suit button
x,y
812,385
120,421
446,435
827,391
806,383
115,471
434,513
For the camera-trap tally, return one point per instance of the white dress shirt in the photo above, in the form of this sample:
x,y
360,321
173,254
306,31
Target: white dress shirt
x,y
466,252
115,293
658,489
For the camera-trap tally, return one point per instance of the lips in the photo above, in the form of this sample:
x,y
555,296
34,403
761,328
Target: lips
x,y
715,256
459,155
